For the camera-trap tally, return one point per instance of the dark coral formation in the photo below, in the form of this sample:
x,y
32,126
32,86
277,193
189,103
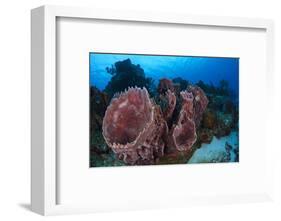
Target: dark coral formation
x,y
167,97
165,85
98,104
124,75
180,83
222,89
221,115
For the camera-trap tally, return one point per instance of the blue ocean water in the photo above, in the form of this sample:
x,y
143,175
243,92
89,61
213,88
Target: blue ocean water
x,y
210,70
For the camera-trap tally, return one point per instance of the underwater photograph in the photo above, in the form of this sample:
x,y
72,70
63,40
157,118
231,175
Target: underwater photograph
x,y
163,109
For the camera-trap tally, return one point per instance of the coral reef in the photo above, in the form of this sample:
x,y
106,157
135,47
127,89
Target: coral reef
x,y
101,154
222,89
200,102
183,133
181,83
98,104
134,128
167,99
124,75
135,122
209,119
171,104
165,85
205,135
224,125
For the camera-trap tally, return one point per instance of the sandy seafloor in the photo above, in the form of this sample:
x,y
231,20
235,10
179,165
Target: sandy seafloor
x,y
216,151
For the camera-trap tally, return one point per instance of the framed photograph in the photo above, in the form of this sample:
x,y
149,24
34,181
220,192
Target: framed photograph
x,y
163,110
136,110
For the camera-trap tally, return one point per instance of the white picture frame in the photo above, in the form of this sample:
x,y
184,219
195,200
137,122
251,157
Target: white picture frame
x,y
45,176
